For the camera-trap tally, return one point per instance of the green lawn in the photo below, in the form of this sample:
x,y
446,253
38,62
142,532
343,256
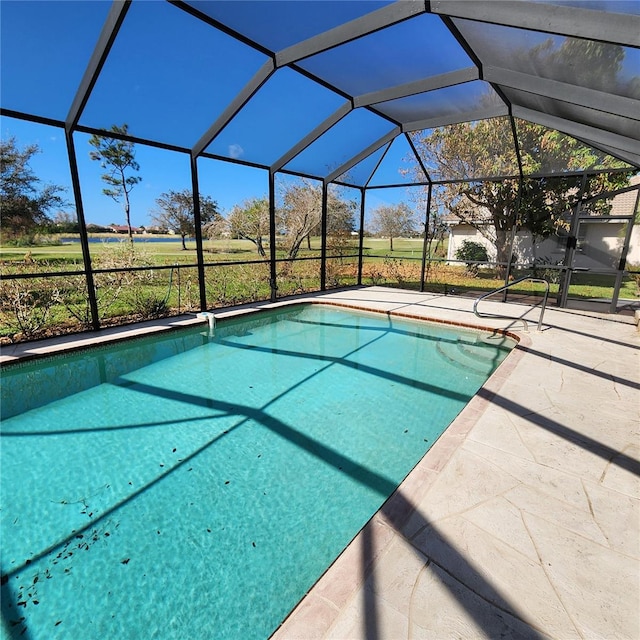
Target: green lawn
x,y
40,306
215,250
159,252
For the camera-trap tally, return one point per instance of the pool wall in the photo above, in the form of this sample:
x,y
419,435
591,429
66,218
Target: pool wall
x,y
89,365
92,373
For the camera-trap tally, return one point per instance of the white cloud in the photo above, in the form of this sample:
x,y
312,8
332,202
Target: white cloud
x,y
236,151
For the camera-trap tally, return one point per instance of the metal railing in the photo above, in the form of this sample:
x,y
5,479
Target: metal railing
x,y
508,286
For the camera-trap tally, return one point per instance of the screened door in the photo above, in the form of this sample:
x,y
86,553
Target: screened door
x,y
596,257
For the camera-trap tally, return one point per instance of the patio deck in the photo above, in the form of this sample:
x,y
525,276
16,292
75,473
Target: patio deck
x,y
523,520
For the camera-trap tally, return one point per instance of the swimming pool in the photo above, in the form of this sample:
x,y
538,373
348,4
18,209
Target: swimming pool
x,y
196,486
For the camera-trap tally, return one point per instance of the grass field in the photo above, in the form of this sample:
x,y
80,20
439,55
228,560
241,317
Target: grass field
x,y
170,250
130,287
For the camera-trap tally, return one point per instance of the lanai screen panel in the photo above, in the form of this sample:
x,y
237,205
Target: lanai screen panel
x,y
168,75
540,146
360,174
594,118
280,24
611,6
45,48
402,53
284,110
176,67
356,131
601,66
461,102
399,166
469,150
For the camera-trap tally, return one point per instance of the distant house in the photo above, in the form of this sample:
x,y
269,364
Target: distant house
x,y
97,228
122,228
599,242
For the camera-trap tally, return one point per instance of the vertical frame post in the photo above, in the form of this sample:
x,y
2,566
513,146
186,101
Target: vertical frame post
x,y
622,263
570,251
272,237
623,256
427,219
514,231
363,193
82,225
197,222
323,238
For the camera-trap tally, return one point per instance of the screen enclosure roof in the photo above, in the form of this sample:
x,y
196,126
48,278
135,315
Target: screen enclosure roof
x,y
331,89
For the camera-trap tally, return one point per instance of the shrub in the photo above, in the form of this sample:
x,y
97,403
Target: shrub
x,y
25,305
541,270
471,253
402,271
634,274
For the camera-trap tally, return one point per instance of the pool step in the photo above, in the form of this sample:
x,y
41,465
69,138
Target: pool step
x,y
468,356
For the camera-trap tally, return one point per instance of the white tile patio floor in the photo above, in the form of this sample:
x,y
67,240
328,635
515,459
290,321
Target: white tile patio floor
x,y
523,520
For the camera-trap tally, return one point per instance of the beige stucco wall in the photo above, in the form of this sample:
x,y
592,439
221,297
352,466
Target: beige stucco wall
x,y
599,246
633,258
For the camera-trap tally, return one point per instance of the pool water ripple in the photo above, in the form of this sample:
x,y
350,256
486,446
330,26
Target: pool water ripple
x,y
201,494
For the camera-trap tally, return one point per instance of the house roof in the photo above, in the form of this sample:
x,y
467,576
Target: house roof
x,y
327,89
123,228
625,203
452,220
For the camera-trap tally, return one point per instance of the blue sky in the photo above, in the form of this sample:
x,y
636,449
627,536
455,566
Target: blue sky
x,y
161,171
170,76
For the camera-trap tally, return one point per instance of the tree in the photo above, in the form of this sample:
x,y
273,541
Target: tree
x,y
472,152
217,228
250,221
300,214
599,67
24,203
118,156
62,222
436,232
494,208
175,211
340,222
340,215
393,221
300,211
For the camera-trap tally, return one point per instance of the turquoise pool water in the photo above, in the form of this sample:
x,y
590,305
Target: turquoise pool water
x,y
196,487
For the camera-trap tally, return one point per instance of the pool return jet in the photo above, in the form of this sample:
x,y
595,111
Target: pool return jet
x,y
211,319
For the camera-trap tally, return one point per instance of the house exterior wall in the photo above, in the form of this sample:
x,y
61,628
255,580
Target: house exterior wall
x,y
599,245
633,258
